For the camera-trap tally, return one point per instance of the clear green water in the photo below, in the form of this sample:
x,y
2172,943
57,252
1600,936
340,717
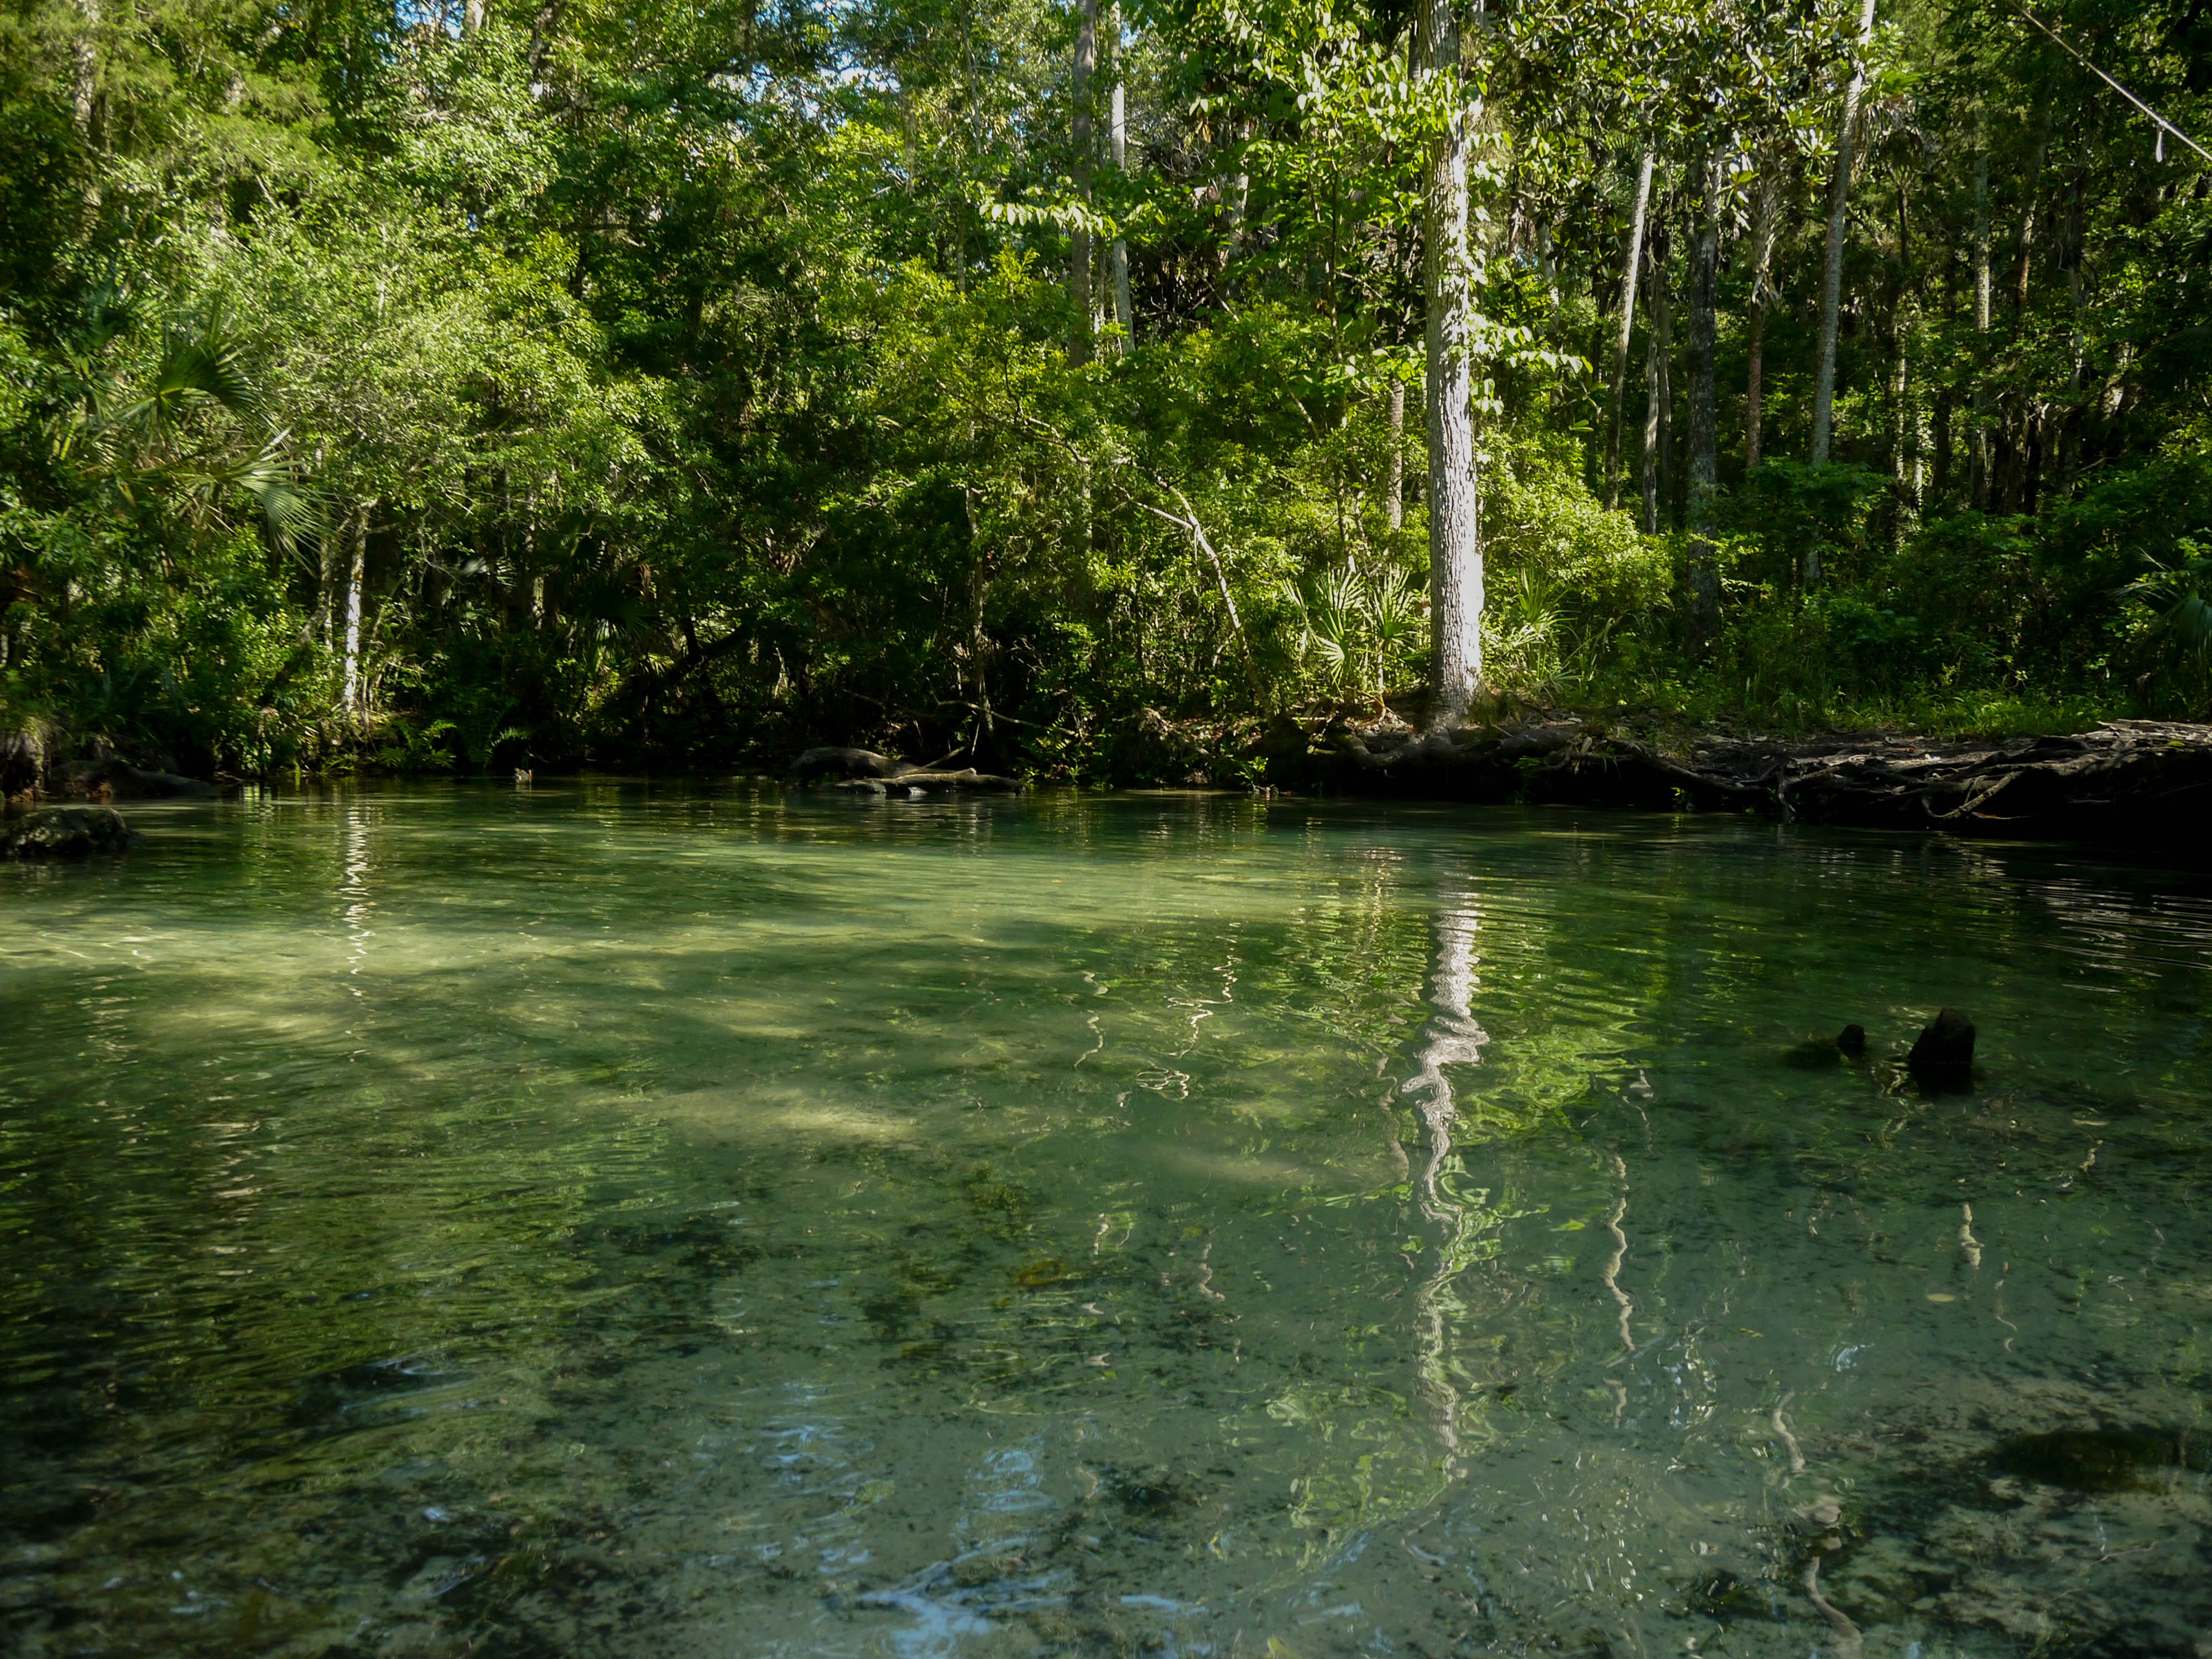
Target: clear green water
x,y
589,1221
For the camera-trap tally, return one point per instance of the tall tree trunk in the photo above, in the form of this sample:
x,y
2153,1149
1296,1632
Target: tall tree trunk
x,y
2027,217
1455,486
349,696
84,67
1944,399
1395,496
1903,420
1659,385
1235,191
1655,390
1832,287
472,16
1118,137
1078,241
1980,488
1903,428
1705,434
1627,328
1766,227
548,19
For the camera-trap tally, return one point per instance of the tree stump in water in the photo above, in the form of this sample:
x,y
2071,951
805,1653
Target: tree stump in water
x,y
1945,1051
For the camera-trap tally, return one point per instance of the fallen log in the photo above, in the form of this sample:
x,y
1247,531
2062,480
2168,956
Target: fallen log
x,y
124,781
2127,779
864,772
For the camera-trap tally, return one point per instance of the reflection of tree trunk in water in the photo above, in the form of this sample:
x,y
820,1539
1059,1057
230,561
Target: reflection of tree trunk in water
x,y
1453,1038
1822,1512
1611,1276
1847,1633
353,888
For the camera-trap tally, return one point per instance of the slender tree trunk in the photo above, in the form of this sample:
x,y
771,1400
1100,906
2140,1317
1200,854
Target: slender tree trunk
x,y
1395,497
1659,386
1753,391
1655,389
1078,241
1903,420
84,67
1704,299
1767,226
472,16
1903,433
2069,439
1118,136
1240,192
1705,434
1942,421
328,582
1627,328
349,696
1832,287
1455,486
542,26
1980,488
2028,218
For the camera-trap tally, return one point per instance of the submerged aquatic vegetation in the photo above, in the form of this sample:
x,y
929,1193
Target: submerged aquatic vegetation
x,y
611,1221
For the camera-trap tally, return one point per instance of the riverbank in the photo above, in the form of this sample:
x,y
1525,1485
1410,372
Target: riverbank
x,y
2136,781
2143,783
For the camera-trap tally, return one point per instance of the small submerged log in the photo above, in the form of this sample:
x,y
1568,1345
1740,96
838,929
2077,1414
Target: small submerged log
x,y
1816,1052
968,780
65,832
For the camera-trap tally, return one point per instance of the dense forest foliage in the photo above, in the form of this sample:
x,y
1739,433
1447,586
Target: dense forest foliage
x,y
562,382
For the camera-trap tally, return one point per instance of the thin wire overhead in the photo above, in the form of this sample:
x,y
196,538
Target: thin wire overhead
x,y
2164,126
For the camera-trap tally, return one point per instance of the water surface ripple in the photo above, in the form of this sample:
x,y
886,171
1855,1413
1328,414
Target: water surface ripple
x,y
602,1220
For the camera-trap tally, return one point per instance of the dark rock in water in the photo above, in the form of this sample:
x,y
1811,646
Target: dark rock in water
x,y
2105,1460
64,832
1851,1039
1946,1049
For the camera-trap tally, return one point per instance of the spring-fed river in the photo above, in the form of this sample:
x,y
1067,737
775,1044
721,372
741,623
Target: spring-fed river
x,y
595,1220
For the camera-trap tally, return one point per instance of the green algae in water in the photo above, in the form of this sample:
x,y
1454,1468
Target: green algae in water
x,y
603,1221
